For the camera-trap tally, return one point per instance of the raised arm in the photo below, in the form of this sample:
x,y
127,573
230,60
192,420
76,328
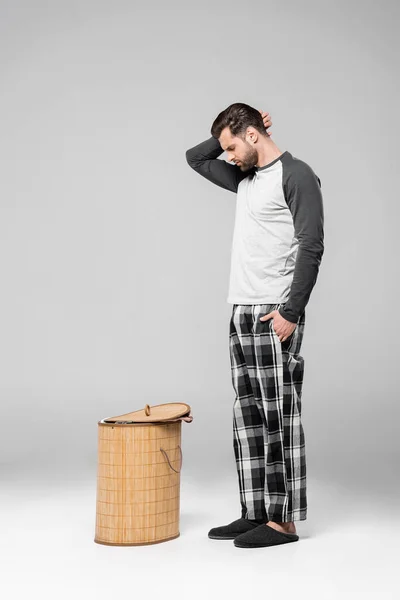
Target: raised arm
x,y
302,189
203,158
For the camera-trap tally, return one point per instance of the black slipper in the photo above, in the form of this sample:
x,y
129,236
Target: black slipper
x,y
262,536
232,530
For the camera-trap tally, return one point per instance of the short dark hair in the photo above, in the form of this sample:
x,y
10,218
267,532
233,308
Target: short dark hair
x,y
238,117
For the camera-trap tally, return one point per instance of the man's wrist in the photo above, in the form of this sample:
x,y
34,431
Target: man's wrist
x,y
287,316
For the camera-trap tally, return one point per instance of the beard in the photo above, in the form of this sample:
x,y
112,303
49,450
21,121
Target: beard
x,y
250,159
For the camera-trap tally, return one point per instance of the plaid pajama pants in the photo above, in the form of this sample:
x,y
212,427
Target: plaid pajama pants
x,y
268,436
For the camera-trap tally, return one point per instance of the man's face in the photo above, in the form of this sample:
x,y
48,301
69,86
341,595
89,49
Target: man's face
x,y
238,151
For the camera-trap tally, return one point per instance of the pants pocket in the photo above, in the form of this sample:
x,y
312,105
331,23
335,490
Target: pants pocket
x,y
262,327
286,344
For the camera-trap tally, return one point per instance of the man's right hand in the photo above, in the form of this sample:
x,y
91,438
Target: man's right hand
x,y
266,119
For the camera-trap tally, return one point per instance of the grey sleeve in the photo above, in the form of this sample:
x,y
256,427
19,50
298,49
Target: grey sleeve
x,y
302,189
203,158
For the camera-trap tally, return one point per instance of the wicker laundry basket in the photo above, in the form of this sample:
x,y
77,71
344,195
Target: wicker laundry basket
x,y
138,475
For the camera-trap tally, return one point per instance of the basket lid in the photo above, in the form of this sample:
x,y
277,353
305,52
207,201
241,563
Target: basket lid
x,y
153,414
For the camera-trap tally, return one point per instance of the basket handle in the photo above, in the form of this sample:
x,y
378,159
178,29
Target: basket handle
x,y
180,466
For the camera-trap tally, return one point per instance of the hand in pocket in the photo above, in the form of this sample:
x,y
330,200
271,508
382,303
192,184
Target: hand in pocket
x,y
282,328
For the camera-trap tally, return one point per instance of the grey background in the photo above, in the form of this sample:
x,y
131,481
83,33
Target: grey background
x,y
115,254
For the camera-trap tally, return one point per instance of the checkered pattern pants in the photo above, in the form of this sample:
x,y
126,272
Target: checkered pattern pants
x,y
268,436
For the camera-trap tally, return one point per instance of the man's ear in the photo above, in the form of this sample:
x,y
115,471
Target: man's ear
x,y
252,135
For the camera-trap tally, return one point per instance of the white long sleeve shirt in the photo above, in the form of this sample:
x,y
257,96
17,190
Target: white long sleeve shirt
x,y
278,234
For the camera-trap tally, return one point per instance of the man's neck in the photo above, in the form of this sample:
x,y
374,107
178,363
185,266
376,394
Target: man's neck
x,y
267,153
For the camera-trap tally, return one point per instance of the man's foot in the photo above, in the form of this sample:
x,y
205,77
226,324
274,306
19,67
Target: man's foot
x,y
266,535
288,527
230,531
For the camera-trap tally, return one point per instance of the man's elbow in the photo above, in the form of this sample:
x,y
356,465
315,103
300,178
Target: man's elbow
x,y
313,248
190,158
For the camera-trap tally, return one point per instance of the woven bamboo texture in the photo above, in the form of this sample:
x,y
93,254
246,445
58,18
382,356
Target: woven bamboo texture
x,y
138,493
